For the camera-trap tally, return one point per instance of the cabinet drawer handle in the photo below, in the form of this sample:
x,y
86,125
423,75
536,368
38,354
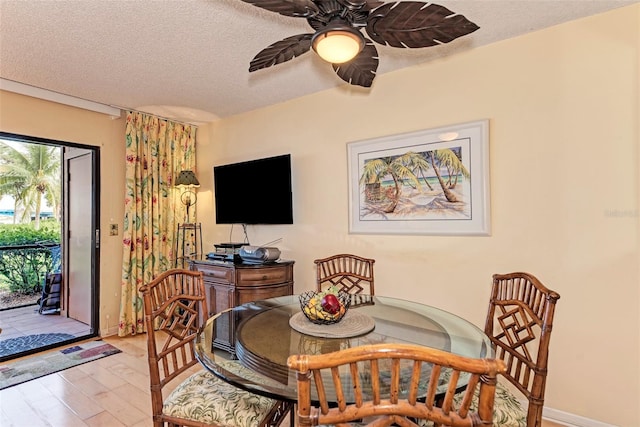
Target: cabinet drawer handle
x,y
264,277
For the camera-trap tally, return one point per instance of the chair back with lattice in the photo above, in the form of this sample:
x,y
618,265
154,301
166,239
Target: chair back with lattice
x,y
173,303
383,384
519,324
349,273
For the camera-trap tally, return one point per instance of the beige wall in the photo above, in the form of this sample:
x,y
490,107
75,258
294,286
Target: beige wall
x,y
24,115
563,111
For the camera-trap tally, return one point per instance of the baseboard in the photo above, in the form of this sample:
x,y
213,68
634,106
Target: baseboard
x,y
566,418
109,331
571,420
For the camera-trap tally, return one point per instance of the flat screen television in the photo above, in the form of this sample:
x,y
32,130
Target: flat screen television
x,y
254,192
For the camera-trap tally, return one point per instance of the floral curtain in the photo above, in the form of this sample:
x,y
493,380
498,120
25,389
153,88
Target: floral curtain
x,y
156,151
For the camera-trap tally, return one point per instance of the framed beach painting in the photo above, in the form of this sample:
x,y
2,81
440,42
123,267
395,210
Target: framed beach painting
x,y
433,181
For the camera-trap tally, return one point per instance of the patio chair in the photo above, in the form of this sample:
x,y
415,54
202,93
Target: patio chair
x,y
49,302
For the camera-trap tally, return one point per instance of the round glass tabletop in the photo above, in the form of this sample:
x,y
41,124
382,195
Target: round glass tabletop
x,y
265,338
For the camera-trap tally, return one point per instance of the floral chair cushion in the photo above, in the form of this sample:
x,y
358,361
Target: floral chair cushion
x,y
507,411
205,398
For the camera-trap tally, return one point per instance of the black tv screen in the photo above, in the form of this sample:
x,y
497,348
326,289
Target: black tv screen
x,y
254,192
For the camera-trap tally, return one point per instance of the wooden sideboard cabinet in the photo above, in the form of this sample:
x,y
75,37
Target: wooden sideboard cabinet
x,y
230,284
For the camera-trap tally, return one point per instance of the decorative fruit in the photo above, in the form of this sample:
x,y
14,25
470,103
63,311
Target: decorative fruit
x,y
330,304
324,307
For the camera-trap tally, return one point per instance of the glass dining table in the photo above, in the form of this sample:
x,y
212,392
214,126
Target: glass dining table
x,y
267,332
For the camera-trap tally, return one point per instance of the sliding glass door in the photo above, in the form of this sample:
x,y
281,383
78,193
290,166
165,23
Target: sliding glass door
x,y
50,198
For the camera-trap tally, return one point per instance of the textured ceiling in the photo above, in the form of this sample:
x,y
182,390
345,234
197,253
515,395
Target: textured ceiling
x,y
189,59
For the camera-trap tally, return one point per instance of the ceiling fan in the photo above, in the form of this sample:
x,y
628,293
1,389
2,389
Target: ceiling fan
x,y
338,38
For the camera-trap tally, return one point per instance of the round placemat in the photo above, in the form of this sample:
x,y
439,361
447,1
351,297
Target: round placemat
x,y
352,324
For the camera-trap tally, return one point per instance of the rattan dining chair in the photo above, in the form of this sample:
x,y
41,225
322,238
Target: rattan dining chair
x,y
392,400
519,324
173,304
349,273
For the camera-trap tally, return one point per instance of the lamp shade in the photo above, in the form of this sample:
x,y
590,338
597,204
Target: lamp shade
x,y
187,179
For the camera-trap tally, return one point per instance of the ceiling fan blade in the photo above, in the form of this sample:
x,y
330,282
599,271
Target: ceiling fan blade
x,y
281,51
295,8
361,4
361,70
416,24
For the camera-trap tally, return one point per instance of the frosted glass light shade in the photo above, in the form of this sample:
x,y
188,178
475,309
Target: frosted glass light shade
x,y
338,46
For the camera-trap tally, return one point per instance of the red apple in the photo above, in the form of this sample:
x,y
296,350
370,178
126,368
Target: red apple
x,y
330,304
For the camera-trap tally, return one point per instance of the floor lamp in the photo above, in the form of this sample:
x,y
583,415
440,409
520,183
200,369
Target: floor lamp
x,y
188,198
187,179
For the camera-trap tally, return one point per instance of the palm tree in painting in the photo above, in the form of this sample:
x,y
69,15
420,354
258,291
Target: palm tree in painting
x,y
399,168
28,175
450,159
418,164
447,158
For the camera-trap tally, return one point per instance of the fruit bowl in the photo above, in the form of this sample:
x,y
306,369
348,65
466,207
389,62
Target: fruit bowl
x,y
311,305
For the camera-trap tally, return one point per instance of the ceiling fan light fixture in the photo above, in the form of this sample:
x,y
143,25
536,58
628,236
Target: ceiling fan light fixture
x,y
346,32
337,45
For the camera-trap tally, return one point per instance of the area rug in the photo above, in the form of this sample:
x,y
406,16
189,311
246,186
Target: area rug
x,y
29,342
37,366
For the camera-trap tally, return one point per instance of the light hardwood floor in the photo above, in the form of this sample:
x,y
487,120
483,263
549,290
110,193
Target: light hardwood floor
x,y
111,392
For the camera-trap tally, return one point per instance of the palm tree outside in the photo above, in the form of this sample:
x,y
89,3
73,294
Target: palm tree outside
x,y
30,177
30,173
